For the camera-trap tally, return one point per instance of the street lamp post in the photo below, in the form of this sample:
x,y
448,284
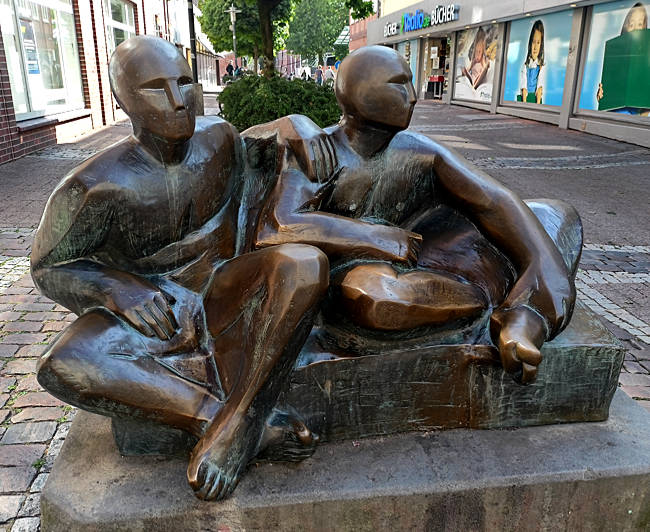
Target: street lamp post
x,y
233,19
190,16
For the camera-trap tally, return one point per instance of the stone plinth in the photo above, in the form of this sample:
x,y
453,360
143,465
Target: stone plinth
x,y
581,476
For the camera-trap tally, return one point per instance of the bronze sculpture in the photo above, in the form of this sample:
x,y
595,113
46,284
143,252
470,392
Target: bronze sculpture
x,y
139,241
183,323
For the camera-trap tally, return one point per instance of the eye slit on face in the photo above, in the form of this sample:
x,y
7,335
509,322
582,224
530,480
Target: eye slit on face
x,y
399,78
158,83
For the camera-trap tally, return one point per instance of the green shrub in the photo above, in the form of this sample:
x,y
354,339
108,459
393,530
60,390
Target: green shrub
x,y
255,100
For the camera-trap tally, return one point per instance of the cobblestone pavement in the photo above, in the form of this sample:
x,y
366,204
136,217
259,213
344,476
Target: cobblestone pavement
x,y
614,279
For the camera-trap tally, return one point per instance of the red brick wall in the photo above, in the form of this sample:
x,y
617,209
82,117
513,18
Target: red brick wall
x,y
7,116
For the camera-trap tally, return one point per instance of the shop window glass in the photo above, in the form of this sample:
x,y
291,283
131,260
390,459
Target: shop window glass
x,y
616,73
476,53
42,56
538,48
120,23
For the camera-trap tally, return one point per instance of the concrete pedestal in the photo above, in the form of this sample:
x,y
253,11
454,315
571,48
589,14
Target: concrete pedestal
x,y
581,476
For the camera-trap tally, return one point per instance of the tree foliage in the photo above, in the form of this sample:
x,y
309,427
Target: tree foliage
x,y
315,27
215,22
360,8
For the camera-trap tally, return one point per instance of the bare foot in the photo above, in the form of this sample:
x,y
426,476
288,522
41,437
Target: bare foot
x,y
219,458
519,334
287,438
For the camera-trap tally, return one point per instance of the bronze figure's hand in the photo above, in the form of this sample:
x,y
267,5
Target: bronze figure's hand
x,y
145,308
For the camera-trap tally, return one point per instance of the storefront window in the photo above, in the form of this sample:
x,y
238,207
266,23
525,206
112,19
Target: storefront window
x,y
120,23
538,48
476,54
42,56
616,76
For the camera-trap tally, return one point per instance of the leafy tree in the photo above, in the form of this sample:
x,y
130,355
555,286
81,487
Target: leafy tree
x,y
215,22
360,8
315,27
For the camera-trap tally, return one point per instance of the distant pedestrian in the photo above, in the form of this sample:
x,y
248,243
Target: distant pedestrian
x,y
304,75
329,76
319,75
230,69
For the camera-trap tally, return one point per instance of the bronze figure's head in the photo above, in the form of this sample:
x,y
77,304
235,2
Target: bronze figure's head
x,y
153,83
374,86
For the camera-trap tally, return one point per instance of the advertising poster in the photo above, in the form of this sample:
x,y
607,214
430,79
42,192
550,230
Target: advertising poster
x,y
616,76
476,53
536,61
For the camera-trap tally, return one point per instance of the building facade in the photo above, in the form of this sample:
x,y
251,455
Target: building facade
x,y
579,65
54,64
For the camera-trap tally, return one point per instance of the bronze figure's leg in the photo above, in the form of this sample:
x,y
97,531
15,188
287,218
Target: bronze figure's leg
x,y
259,310
377,297
103,366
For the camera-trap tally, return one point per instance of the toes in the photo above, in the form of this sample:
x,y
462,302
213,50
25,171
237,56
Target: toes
x,y
509,360
215,488
202,492
529,373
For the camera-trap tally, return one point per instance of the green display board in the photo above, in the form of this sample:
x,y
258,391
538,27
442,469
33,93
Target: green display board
x,y
626,72
530,98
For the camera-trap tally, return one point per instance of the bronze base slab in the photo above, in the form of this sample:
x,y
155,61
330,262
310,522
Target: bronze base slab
x,y
440,387
580,476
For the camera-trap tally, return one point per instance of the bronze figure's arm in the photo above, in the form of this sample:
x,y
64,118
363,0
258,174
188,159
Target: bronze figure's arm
x,y
541,301
74,226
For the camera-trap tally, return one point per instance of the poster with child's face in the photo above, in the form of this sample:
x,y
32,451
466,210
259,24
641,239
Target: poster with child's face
x,y
476,53
536,60
616,77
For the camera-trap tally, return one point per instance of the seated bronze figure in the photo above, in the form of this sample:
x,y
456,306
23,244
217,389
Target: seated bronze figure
x,y
197,259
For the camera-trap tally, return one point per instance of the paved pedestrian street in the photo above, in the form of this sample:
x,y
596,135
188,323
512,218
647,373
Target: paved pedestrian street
x,y
614,276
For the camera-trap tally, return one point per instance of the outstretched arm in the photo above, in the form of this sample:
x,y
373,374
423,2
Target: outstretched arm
x,y
72,230
307,168
541,301
292,216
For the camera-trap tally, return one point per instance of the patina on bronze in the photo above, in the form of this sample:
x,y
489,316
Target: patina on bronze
x,y
423,245
141,241
185,326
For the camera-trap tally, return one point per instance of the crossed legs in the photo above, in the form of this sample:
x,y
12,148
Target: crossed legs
x,y
258,312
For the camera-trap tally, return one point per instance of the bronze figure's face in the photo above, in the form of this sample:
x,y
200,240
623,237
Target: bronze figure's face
x,y
375,85
153,83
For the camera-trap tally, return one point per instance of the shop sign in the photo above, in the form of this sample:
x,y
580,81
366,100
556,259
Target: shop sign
x,y
420,20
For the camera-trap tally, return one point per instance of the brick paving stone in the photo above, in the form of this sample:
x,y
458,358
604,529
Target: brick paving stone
x,y
10,315
31,350
54,326
4,414
36,307
26,524
635,379
29,432
634,367
42,413
39,482
45,316
29,384
21,455
32,506
16,479
21,366
4,397
37,399
19,299
637,392
24,338
9,506
21,326
8,350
